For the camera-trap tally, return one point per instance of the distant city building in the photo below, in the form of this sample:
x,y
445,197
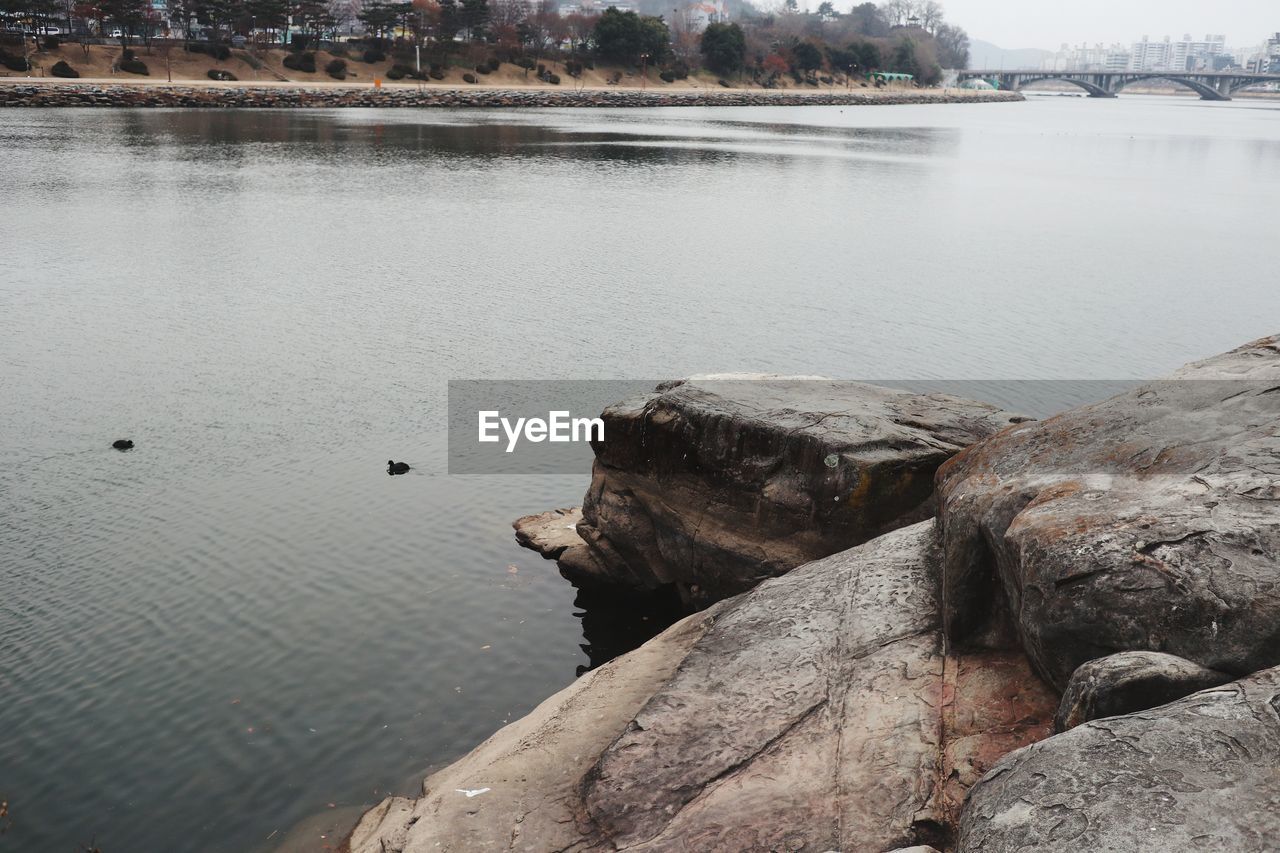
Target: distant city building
x,y
1184,55
1268,57
1088,58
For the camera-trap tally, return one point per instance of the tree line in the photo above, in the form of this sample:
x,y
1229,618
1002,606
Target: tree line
x,y
904,36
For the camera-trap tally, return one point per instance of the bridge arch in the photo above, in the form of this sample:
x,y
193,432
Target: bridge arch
x,y
1205,91
1094,90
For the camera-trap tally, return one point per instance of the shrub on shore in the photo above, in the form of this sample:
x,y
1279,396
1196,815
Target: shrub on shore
x,y
220,74
304,61
469,78
436,74
373,56
62,69
483,69
133,65
14,63
220,52
337,69
399,71
494,64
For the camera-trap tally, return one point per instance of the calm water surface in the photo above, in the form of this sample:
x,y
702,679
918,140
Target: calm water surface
x,y
220,633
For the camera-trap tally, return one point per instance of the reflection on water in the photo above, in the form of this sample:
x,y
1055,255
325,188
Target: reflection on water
x,y
243,619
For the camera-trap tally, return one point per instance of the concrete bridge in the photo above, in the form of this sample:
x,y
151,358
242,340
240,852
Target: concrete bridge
x,y
1209,85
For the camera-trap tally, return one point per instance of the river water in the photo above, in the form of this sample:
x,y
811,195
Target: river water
x,y
244,619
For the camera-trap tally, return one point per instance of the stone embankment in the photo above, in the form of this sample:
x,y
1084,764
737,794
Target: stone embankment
x,y
42,94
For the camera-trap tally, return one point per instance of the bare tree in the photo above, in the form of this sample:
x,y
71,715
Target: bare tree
x,y
930,14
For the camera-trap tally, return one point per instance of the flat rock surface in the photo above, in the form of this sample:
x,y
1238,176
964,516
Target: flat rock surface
x,y
716,484
1202,773
814,713
550,533
1149,521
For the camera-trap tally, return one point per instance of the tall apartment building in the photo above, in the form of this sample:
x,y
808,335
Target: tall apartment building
x,y
1086,57
1271,56
1185,55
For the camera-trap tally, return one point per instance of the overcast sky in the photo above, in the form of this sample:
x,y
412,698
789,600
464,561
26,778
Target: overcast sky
x,y
1048,23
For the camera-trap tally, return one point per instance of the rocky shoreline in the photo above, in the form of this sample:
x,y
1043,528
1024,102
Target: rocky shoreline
x,y
49,94
1077,651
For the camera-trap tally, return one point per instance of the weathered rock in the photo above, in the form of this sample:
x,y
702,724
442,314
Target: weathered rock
x,y
716,484
1148,521
554,535
814,713
1202,773
1130,681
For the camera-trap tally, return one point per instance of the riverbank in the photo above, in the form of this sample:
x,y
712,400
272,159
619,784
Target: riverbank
x,y
47,93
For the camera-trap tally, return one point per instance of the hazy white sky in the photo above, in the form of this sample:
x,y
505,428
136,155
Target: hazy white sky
x,y
1048,23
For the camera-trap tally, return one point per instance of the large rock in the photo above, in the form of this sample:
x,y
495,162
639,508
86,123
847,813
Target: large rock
x,y
817,712
716,484
1149,521
1202,773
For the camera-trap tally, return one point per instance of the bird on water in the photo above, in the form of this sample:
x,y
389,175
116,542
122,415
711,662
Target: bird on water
x,y
122,444
397,467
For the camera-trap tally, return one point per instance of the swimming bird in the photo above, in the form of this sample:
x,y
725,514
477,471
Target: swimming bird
x,y
397,467
122,444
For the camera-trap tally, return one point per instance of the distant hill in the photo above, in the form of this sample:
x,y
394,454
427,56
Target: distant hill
x,y
985,55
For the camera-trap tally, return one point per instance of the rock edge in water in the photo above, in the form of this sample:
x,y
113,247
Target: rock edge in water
x,y
817,712
838,707
714,484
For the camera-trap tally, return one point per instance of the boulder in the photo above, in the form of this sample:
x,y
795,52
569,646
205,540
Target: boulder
x,y
817,712
713,485
1202,773
1128,682
1148,521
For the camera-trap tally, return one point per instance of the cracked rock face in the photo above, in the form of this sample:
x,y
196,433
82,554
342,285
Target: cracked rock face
x,y
1202,773
716,484
1149,521
815,713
